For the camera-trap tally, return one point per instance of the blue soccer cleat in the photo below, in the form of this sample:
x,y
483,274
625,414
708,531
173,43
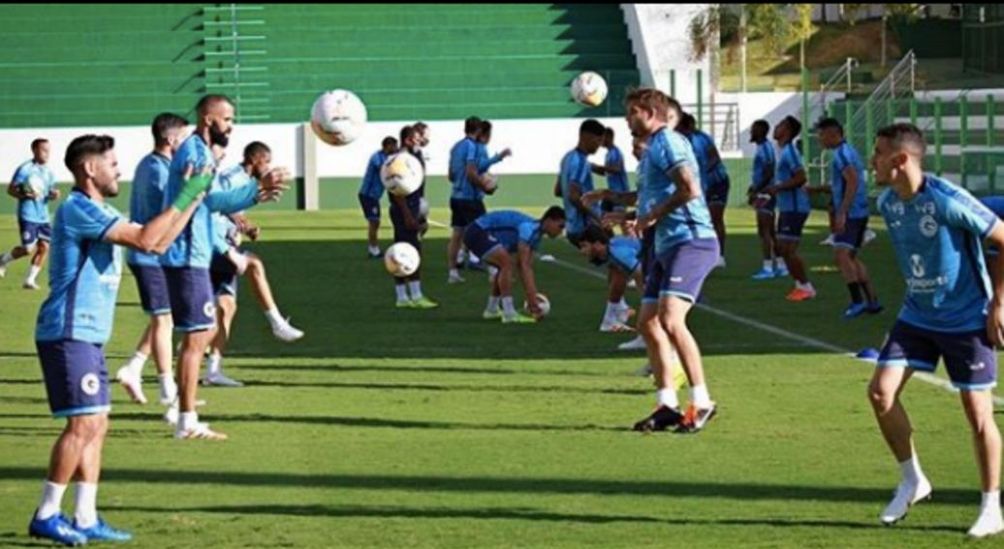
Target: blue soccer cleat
x,y
101,531
58,529
855,310
874,308
764,274
781,272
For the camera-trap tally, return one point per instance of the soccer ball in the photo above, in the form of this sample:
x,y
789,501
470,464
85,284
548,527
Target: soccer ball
x,y
589,89
493,183
402,259
402,174
34,184
542,302
338,117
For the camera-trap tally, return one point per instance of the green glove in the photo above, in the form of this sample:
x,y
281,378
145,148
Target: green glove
x,y
193,187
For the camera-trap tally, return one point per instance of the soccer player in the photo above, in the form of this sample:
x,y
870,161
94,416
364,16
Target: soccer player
x,y
496,235
613,169
793,205
231,262
371,191
850,217
714,179
75,321
32,212
576,179
685,252
409,226
950,312
466,193
623,255
764,162
186,263
146,202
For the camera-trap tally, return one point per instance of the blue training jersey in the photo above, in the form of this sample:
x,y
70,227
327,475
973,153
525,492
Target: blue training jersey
x,y
575,168
225,230
846,156
617,182
84,273
791,200
623,253
463,153
763,166
146,201
194,246
511,228
372,186
667,152
938,238
34,210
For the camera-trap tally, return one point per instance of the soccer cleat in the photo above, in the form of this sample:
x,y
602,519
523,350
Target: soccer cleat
x,y
3,271
423,303
201,431
874,308
455,279
644,371
30,285
171,415
284,331
868,237
661,419
220,380
828,241
764,274
989,523
58,529
625,314
132,384
491,315
632,284
696,418
406,304
614,327
101,531
798,294
780,271
636,344
518,319
372,255
855,310
906,495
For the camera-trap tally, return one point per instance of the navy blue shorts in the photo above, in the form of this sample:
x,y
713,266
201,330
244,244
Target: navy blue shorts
x,y
76,379
402,233
152,285
370,206
969,357
193,307
853,235
718,193
647,253
479,241
223,276
790,225
32,232
464,212
680,271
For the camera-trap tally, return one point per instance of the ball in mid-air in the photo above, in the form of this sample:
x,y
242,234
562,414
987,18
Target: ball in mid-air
x,y
338,117
589,89
402,259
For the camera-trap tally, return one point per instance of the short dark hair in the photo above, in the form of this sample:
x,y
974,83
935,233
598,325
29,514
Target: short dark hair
x,y
485,127
592,127
407,132
210,100
35,143
761,123
388,141
794,124
162,123
594,234
84,146
829,123
254,149
905,134
554,212
420,127
687,120
609,132
472,124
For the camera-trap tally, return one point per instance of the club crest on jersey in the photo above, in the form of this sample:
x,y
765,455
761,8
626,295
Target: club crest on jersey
x,y
90,384
928,226
209,309
26,236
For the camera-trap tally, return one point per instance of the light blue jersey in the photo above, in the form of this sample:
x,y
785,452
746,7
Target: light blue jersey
x,y
146,201
575,168
639,184
623,254
764,162
485,160
84,273
225,230
844,156
616,182
34,210
791,200
194,246
463,153
372,186
937,236
667,152
511,228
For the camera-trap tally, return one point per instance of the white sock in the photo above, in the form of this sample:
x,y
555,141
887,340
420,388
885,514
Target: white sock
x,y
187,420
667,397
493,304
911,470
86,511
274,317
52,500
136,363
33,273
167,384
507,307
214,364
779,263
808,287
402,292
374,250
768,264
699,396
415,287
991,500
454,273
5,259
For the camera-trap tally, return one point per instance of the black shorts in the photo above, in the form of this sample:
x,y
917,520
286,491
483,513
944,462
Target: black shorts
x,y
403,233
464,212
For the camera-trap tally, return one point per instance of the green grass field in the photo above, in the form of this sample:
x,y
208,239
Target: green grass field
x,y
388,428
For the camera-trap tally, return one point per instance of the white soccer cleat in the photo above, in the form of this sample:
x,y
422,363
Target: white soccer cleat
x,y
455,279
286,332
200,431
614,327
906,495
3,271
989,523
868,237
172,414
636,344
828,241
632,284
644,371
132,384
30,285
220,380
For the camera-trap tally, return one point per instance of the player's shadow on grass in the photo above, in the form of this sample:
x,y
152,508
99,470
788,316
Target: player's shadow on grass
x,y
477,388
420,369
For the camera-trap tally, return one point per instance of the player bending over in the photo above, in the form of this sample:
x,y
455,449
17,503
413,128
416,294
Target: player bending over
x,y
623,256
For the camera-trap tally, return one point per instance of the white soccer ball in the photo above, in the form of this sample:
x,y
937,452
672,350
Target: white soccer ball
x,y
542,302
402,174
338,117
402,259
589,89
34,184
